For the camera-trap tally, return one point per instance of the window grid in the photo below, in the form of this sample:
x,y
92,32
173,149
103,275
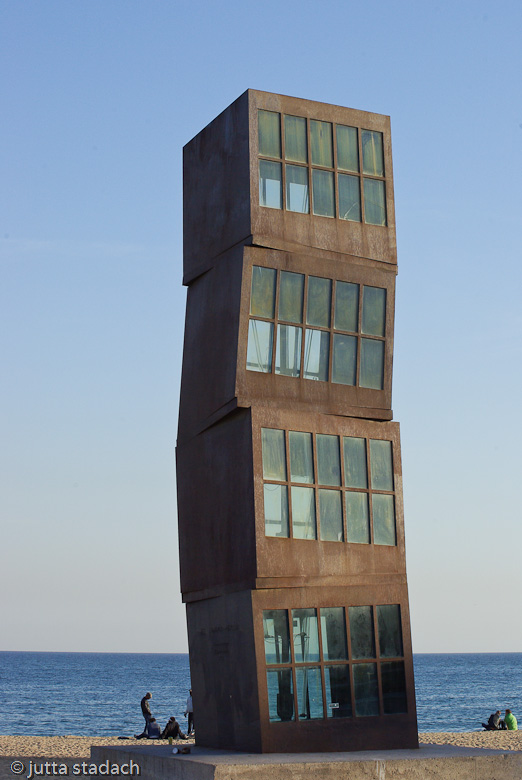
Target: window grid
x,y
349,661
334,170
342,489
331,331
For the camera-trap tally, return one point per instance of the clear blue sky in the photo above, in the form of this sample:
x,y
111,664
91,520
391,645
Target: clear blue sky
x,y
97,100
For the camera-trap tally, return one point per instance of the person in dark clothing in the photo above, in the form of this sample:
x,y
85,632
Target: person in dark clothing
x,y
152,730
147,714
494,723
173,729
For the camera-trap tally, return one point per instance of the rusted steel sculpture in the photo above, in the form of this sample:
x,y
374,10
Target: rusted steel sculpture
x,y
290,506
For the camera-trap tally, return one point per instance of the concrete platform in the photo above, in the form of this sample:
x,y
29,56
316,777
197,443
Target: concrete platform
x,y
429,762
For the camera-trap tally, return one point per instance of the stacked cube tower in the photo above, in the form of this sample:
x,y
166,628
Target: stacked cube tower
x,y
290,509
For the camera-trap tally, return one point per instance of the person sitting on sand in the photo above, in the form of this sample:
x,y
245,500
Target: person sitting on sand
x,y
152,731
494,723
510,721
172,729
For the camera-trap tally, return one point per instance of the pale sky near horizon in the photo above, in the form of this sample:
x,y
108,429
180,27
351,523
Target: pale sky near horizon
x,y
98,99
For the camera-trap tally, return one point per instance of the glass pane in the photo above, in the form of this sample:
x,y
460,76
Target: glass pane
x,y
303,513
393,687
374,311
347,148
276,510
390,631
277,636
319,302
297,189
361,632
306,635
357,518
346,306
291,289
274,457
344,364
316,356
381,464
280,695
338,700
349,198
355,472
288,350
372,152
330,516
328,460
366,690
374,202
260,346
309,693
262,298
323,191
372,364
270,185
301,458
383,520
295,139
321,143
333,629
269,134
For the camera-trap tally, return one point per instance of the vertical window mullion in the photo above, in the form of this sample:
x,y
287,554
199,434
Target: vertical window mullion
x,y
370,502
276,318
378,659
288,487
303,327
321,661
343,491
361,187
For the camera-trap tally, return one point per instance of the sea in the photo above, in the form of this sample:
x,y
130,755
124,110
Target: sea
x,y
98,694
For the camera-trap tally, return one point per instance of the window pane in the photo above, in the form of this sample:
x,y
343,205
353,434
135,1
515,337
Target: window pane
x,y
319,302
280,695
355,472
344,366
390,631
321,143
262,298
374,202
274,458
270,185
366,690
372,151
306,635
346,306
303,513
291,289
393,687
361,632
357,518
288,350
328,460
333,629
295,139
330,516
372,364
260,346
323,191
381,464
301,459
276,510
277,636
269,134
316,356
338,700
309,693
347,148
383,520
374,311
297,189
349,198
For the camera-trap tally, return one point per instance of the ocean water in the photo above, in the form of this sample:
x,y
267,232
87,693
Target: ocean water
x,y
98,694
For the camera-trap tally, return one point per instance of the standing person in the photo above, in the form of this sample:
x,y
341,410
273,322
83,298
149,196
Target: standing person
x,y
189,713
510,721
145,709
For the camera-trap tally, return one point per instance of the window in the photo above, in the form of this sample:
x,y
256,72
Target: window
x,y
328,487
299,156
334,662
318,329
